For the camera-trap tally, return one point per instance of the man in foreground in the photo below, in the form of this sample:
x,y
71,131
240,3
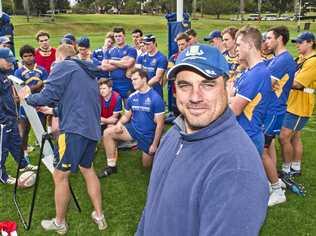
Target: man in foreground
x,y
79,119
207,178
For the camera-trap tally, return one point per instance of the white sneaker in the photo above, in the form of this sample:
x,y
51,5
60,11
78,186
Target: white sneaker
x,y
29,167
50,225
101,222
276,197
11,180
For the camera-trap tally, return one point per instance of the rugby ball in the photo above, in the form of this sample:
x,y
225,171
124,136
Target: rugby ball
x,y
27,179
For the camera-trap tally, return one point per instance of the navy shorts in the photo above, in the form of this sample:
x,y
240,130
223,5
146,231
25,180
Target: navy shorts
x,y
294,122
143,142
74,150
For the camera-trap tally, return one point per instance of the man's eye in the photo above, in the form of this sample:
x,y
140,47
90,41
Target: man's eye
x,y
208,85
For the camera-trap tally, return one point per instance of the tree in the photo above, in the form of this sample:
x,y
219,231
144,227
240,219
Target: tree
x,y
218,7
62,4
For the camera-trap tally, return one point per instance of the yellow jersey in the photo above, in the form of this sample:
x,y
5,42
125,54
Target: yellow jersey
x,y
301,102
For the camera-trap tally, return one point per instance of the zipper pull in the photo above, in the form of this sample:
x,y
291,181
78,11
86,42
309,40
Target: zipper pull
x,y
179,150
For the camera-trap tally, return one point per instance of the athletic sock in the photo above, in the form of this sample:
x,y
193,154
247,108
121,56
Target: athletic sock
x,y
286,167
296,165
111,163
276,186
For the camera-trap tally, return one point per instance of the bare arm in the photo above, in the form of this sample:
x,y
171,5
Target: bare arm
x,y
124,63
297,85
238,104
157,78
160,123
112,119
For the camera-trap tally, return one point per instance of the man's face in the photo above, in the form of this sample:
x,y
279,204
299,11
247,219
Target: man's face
x,y
136,38
228,41
43,42
150,47
182,44
271,41
192,40
5,65
303,47
242,48
108,43
84,52
119,38
105,90
201,101
137,81
5,45
28,59
215,42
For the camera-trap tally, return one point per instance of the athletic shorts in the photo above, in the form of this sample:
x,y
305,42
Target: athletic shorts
x,y
258,140
143,142
294,122
74,150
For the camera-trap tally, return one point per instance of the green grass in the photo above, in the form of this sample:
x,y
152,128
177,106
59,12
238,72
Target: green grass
x,y
124,194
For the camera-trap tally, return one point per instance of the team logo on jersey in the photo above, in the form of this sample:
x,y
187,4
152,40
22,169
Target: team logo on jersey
x,y
153,62
194,51
148,102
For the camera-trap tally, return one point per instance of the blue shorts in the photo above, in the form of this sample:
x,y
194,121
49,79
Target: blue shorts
x,y
74,150
273,124
258,140
143,142
294,122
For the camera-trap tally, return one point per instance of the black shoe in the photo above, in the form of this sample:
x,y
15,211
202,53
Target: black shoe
x,y
107,171
295,172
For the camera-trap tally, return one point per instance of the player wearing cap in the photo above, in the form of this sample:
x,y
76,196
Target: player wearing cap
x,y
282,67
10,140
230,54
207,178
193,39
154,63
300,104
215,39
118,60
33,76
143,121
253,91
45,55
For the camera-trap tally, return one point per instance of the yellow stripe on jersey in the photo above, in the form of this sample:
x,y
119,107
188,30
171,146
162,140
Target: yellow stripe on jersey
x,y
61,145
280,84
248,111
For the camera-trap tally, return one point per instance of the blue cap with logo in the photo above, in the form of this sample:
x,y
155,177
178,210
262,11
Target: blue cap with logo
x,y
308,36
84,42
149,38
70,36
213,34
203,58
6,54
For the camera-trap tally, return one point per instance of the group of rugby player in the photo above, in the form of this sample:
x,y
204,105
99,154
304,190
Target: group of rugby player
x,y
269,92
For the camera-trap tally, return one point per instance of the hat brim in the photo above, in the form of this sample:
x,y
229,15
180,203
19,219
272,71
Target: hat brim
x,y
10,59
208,38
172,73
297,40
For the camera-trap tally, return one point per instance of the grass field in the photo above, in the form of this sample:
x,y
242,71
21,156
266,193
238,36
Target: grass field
x,y
124,194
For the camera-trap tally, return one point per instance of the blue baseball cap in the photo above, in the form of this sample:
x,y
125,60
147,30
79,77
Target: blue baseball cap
x,y
213,34
149,38
309,36
6,54
70,36
203,58
5,40
84,42
66,41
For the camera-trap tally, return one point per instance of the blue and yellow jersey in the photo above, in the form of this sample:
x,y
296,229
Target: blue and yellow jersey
x,y
282,68
33,76
301,102
255,86
232,63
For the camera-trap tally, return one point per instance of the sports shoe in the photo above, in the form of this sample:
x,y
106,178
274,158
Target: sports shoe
x,y
108,170
296,172
101,222
276,197
50,225
10,180
283,185
29,167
